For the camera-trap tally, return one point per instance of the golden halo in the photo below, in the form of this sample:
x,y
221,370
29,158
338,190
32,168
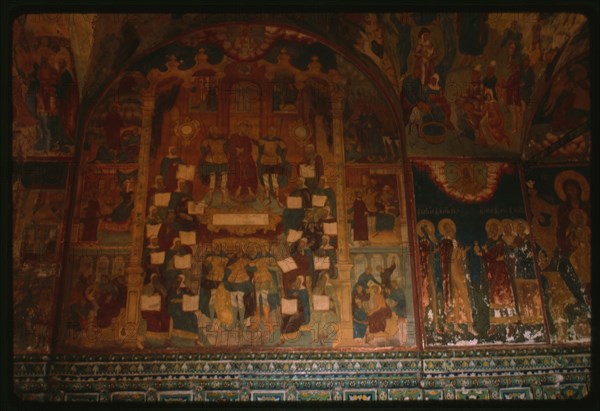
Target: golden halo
x,y
247,244
563,176
521,221
426,223
491,221
442,222
508,221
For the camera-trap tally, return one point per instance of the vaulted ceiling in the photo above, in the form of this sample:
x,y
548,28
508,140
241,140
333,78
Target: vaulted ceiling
x,y
556,44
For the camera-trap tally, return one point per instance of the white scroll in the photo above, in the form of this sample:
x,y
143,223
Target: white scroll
x,y
322,263
294,235
318,201
157,258
287,264
150,302
162,199
330,228
320,302
183,262
289,306
294,202
187,237
196,207
185,172
152,230
241,219
307,171
190,302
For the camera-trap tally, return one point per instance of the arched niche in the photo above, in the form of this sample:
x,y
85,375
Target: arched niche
x,y
308,100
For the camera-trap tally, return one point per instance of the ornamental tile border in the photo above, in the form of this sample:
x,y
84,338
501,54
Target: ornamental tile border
x,y
518,393
314,395
509,374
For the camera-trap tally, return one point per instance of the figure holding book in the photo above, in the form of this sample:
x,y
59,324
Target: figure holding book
x,y
185,323
297,202
156,320
311,167
178,258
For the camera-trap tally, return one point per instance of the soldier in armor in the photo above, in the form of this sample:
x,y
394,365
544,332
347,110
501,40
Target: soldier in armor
x,y
214,274
272,164
213,163
238,282
264,284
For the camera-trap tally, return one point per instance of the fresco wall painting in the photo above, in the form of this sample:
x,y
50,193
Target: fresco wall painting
x,y
45,89
564,115
478,282
560,219
222,176
468,80
244,215
40,190
45,103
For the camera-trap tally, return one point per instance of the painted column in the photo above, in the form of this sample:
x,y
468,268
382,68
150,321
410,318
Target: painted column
x,y
342,283
134,269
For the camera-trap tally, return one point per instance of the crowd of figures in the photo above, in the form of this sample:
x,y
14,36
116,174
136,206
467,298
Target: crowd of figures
x,y
238,284
379,306
235,287
485,291
245,286
489,105
480,109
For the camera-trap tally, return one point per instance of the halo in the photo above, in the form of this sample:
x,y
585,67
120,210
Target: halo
x,y
491,221
375,286
563,176
525,223
442,222
426,223
247,244
509,221
423,31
